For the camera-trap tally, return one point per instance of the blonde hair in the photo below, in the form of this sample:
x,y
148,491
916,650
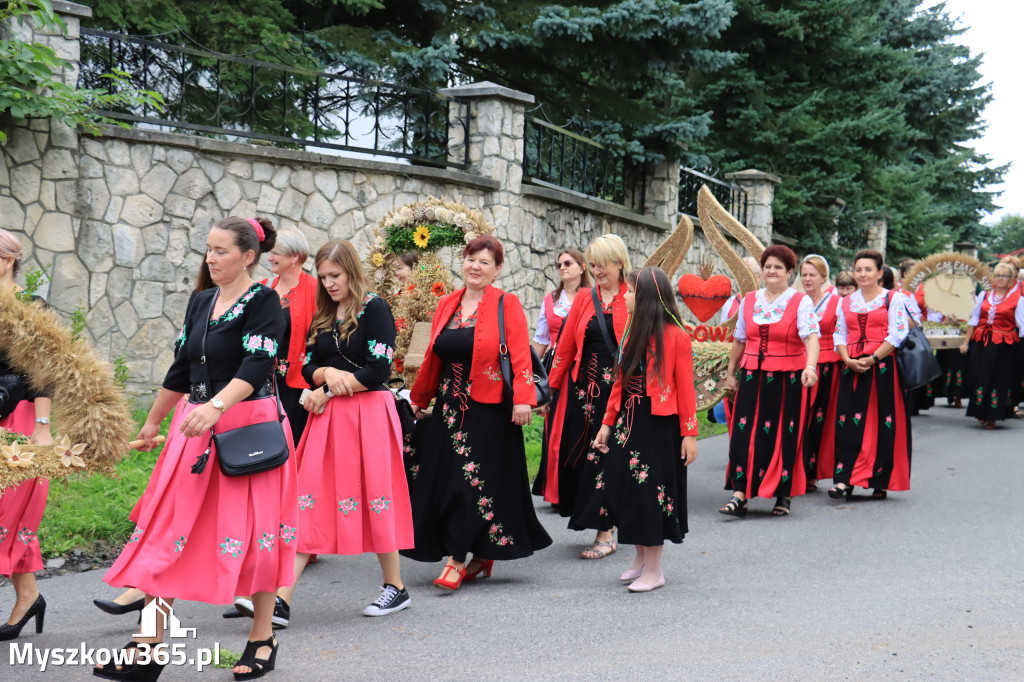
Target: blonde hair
x,y
609,248
292,243
342,254
10,247
1003,265
819,263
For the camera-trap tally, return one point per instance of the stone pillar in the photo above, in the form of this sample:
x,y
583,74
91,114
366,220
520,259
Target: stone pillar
x,y
661,200
496,131
878,232
40,200
760,189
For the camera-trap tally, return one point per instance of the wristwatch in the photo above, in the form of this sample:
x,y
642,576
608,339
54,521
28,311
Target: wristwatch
x,y
218,403
875,357
43,420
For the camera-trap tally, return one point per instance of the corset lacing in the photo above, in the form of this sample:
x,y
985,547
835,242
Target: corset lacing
x,y
634,394
458,370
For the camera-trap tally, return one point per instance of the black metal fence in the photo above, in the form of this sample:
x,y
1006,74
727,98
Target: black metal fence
x,y
562,158
232,97
732,198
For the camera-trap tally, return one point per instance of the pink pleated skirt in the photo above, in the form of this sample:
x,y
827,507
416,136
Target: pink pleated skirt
x,y
22,507
179,413
353,495
207,537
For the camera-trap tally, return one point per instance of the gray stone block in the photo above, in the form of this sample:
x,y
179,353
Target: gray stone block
x,y
96,246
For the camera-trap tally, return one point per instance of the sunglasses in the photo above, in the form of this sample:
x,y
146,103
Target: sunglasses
x,y
566,263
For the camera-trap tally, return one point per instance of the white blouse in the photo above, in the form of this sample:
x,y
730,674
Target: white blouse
x,y
993,301
770,313
899,324
561,306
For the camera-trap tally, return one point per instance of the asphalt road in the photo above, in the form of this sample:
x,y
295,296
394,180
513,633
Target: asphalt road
x,y
926,585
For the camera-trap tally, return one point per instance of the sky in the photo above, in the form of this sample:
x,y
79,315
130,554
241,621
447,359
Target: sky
x,y
993,28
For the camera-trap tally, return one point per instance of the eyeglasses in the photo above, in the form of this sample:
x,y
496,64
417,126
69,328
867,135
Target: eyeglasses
x,y
1003,276
566,263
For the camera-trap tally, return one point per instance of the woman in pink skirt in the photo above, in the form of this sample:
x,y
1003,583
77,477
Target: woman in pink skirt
x,y
353,495
21,507
201,535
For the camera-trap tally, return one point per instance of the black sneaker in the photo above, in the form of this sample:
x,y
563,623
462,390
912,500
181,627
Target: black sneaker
x,y
391,599
282,613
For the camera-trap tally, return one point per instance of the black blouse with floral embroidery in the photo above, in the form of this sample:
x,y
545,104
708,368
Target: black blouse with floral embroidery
x,y
242,343
371,346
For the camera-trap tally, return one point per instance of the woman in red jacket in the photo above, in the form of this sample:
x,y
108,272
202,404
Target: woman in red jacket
x,y
993,344
819,448
776,347
642,488
297,291
472,494
572,271
873,437
587,353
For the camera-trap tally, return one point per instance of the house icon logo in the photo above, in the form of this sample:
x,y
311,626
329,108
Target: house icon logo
x,y
156,609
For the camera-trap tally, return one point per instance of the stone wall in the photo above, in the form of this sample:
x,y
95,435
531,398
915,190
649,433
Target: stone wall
x,y
121,220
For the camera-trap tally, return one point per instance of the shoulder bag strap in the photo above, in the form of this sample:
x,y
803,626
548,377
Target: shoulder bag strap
x,y
337,344
599,312
501,324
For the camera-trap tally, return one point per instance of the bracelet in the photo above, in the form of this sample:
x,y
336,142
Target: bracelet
x,y
812,368
875,358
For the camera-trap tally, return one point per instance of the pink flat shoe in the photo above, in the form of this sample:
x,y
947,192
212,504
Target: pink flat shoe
x,y
631,574
634,587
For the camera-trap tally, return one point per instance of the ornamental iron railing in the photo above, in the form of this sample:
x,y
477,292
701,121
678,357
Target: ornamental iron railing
x,y
239,97
567,160
732,197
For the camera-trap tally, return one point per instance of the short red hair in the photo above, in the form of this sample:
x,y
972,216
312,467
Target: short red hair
x,y
489,242
783,253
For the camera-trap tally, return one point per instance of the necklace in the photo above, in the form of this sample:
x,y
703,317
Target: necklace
x,y
231,302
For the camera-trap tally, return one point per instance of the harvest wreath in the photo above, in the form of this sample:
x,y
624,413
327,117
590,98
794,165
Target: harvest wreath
x,y
425,226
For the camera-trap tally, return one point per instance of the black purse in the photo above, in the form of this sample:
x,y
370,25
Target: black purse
x,y
12,391
540,374
249,449
548,360
915,359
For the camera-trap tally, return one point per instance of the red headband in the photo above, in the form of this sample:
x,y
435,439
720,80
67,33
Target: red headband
x,y
259,229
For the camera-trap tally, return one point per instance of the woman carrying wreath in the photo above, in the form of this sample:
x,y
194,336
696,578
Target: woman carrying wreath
x,y
775,348
584,363
572,273
873,438
202,535
993,349
472,495
21,507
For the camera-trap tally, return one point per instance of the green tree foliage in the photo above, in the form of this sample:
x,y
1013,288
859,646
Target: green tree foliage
x,y
28,85
1008,235
869,102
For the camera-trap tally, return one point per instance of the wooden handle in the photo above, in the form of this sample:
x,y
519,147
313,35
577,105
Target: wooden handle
x,y
136,444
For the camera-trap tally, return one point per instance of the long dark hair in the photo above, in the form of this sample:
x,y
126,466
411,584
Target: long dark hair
x,y
654,306
581,261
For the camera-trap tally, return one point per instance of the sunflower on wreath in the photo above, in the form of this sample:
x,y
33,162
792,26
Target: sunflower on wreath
x,y
427,227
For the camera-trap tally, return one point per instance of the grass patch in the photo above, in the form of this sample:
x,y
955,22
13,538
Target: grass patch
x,y
95,509
226,658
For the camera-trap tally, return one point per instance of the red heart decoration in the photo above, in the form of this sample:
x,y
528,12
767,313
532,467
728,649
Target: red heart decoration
x,y
704,297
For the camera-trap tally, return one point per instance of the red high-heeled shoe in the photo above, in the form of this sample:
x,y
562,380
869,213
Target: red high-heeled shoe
x,y
485,567
447,582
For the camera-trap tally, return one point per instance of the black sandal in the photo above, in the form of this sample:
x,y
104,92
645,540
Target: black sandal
x,y
879,494
781,507
130,671
835,492
734,507
258,667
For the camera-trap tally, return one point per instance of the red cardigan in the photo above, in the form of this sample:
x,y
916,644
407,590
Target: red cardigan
x,y
570,348
301,309
485,374
677,396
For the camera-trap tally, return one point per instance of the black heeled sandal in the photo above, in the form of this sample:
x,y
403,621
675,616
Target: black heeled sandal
x,y
258,667
879,494
130,672
115,609
835,492
734,507
38,609
781,507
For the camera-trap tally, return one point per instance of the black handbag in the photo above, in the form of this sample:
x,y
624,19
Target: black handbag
x,y
915,359
249,449
548,360
12,391
540,375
